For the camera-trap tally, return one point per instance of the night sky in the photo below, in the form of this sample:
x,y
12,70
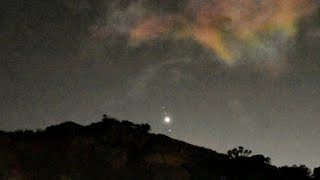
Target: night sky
x,y
226,72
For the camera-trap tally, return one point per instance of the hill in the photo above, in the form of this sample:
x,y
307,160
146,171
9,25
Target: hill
x,y
111,149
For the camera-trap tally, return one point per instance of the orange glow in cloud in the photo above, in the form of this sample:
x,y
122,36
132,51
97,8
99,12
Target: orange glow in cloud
x,y
150,29
226,26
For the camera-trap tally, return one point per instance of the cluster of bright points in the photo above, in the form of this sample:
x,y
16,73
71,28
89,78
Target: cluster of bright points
x,y
167,119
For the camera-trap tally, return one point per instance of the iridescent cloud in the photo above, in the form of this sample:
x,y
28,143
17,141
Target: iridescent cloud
x,y
229,27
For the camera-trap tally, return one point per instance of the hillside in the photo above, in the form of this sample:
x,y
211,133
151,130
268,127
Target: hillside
x,y
111,149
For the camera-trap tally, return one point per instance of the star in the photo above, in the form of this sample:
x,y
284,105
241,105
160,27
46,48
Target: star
x,y
167,119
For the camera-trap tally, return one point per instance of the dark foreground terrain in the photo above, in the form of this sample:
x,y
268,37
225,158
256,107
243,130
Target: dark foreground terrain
x,y
111,149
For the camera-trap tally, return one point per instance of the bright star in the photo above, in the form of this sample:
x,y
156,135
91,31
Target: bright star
x,y
167,119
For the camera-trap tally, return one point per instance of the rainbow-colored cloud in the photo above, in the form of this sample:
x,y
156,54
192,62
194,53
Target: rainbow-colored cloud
x,y
228,27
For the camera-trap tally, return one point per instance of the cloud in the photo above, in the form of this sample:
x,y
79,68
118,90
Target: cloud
x,y
235,31
231,29
313,33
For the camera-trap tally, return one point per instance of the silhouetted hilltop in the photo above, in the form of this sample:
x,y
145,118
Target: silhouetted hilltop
x,y
111,149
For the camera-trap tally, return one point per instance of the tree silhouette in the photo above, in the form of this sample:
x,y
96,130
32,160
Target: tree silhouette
x,y
238,152
295,172
145,127
104,117
316,173
127,123
260,159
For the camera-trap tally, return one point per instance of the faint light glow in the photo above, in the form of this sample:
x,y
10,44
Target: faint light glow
x,y
169,130
167,119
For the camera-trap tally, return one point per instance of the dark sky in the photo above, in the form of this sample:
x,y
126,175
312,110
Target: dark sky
x,y
228,72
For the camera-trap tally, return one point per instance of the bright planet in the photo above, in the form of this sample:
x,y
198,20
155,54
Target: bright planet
x,y
167,119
